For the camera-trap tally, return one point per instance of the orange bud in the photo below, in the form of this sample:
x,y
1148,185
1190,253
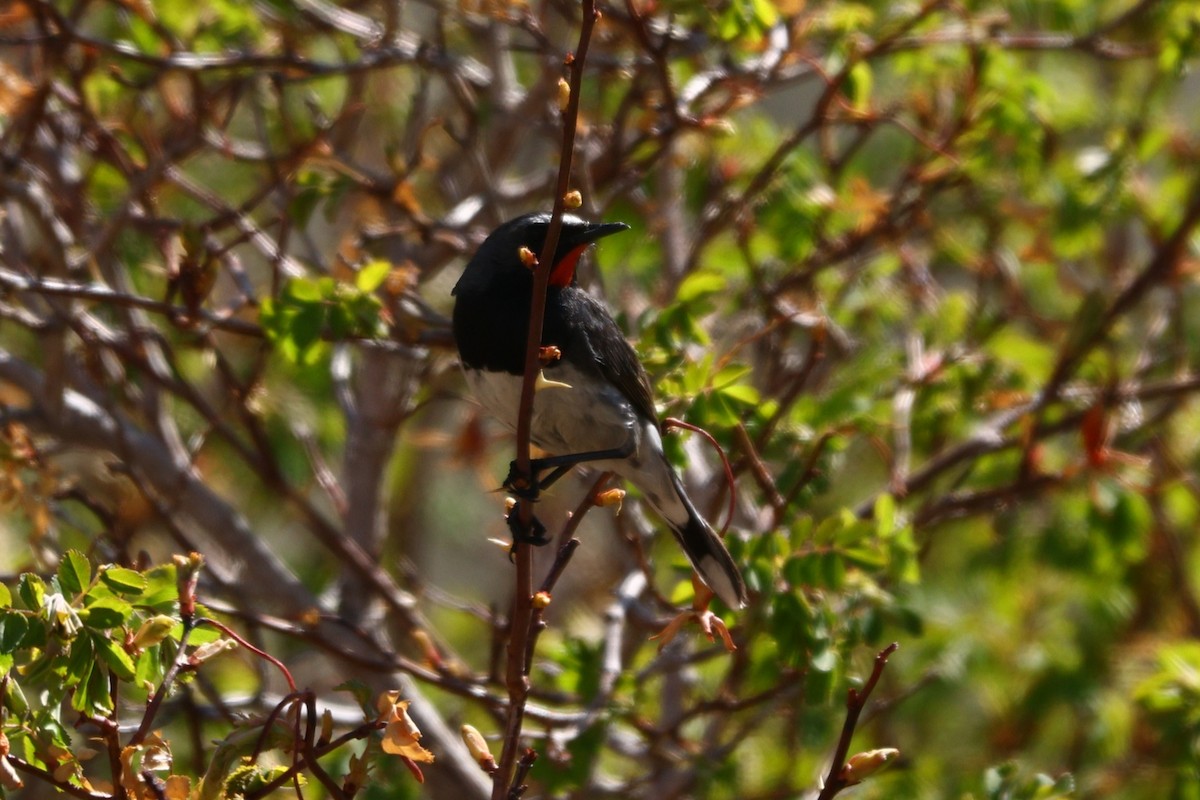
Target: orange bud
x,y
573,199
549,353
541,600
610,497
527,257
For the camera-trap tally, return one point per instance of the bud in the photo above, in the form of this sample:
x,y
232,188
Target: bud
x,y
549,353
326,726
541,600
527,257
564,94
720,127
211,650
153,631
478,748
573,199
428,649
861,766
609,497
59,613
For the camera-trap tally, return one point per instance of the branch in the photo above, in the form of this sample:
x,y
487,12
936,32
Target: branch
x,y
522,619
834,781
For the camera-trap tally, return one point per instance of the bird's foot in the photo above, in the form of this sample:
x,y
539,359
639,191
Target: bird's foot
x,y
520,485
535,535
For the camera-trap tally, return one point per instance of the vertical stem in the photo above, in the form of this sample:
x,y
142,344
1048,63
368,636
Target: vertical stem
x,y
516,678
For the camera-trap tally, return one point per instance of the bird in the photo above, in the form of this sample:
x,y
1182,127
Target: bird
x,y
593,402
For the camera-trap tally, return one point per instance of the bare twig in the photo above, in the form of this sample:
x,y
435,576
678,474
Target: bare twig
x,y
855,701
520,625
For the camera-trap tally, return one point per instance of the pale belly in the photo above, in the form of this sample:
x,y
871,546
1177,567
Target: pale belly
x,y
580,416
586,416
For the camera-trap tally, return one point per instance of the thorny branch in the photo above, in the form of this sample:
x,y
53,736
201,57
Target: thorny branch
x,y
522,619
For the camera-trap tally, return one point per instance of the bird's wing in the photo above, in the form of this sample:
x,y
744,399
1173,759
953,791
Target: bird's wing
x,y
591,326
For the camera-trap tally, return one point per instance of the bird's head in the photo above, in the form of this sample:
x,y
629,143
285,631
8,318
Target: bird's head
x,y
499,257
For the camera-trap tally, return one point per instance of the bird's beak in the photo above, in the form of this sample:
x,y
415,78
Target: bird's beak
x,y
577,241
599,230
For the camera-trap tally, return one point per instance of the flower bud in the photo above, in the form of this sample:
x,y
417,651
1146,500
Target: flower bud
x,y
610,497
861,766
527,257
564,94
153,631
541,600
478,748
573,199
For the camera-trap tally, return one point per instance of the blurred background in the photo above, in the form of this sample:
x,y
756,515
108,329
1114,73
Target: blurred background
x,y
927,271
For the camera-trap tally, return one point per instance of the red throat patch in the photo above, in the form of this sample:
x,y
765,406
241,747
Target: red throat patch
x,y
564,271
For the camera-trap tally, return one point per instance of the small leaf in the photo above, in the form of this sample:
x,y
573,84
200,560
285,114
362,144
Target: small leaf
x,y
742,393
115,656
74,572
32,590
12,630
858,86
80,660
698,285
107,612
5,596
123,580
372,275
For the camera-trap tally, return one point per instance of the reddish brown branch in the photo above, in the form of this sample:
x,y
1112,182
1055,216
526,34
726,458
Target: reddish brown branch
x,y
522,617
855,701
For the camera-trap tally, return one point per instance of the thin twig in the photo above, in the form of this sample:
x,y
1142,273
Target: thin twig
x,y
834,781
522,617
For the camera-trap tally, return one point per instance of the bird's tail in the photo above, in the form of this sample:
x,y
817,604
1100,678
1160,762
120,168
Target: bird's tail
x,y
707,552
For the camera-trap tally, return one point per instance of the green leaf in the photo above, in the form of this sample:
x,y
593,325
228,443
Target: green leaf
x,y
5,596
162,590
863,558
858,86
115,656
123,580
885,515
698,285
13,626
32,591
833,570
74,572
97,696
372,275
107,612
80,660
306,332
303,290
742,393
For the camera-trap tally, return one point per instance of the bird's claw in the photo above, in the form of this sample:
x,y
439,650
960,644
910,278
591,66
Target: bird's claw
x,y
536,534
520,485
